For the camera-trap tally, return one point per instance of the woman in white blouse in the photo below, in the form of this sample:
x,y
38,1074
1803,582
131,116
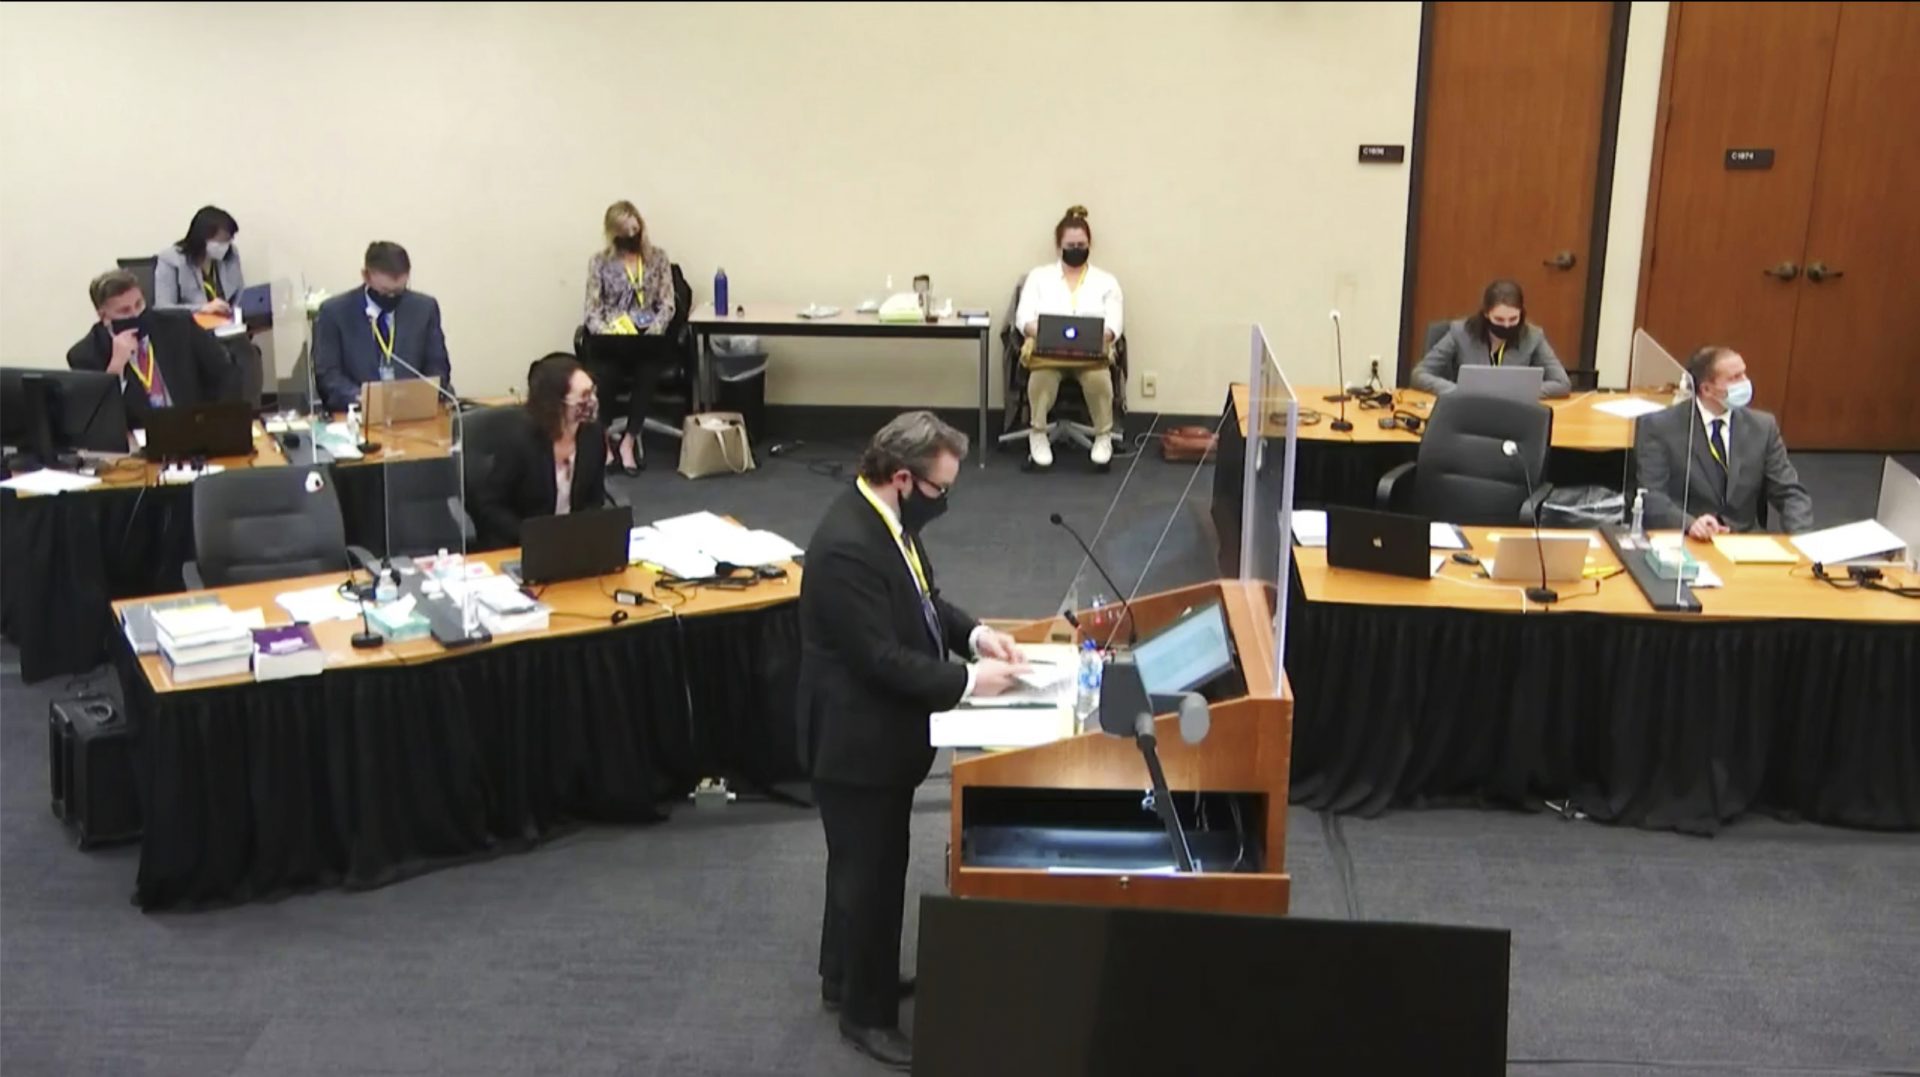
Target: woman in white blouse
x,y
1069,287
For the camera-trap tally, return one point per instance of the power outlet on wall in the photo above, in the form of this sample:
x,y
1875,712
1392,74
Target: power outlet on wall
x,y
1149,384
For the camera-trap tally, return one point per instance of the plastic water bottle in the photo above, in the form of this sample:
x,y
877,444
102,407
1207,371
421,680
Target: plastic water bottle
x,y
1086,701
720,304
387,589
1639,516
353,423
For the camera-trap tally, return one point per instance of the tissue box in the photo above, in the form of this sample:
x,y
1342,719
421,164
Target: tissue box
x,y
1672,563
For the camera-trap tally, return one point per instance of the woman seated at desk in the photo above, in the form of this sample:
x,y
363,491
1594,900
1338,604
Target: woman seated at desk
x,y
1499,335
1070,287
551,463
201,273
629,293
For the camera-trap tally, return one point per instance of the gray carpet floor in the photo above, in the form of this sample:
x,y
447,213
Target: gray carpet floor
x,y
687,948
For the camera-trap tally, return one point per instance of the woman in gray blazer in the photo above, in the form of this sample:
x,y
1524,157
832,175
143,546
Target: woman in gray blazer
x,y
201,273
1499,335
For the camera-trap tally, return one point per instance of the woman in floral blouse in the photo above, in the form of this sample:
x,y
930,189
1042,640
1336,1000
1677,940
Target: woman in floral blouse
x,y
629,293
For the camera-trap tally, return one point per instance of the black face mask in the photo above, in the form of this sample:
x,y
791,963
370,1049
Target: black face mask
x,y
919,510
384,300
627,244
138,322
1075,256
1505,332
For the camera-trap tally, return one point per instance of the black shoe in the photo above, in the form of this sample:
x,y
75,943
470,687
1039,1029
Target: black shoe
x,y
888,1046
830,992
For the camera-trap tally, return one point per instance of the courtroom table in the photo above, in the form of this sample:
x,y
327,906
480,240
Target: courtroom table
x,y
772,320
1784,695
405,758
1589,448
64,557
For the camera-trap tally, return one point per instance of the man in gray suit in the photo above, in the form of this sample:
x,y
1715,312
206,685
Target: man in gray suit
x,y
1707,463
359,335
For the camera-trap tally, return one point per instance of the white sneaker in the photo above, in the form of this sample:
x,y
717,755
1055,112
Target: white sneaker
x,y
1039,449
1102,450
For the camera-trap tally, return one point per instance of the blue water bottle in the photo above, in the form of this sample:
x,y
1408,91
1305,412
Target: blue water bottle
x,y
720,305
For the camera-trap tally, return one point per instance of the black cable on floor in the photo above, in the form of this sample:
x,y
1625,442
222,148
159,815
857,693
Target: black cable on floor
x,y
1335,837
1695,1067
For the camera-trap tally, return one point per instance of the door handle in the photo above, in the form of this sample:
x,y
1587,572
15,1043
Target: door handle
x,y
1818,271
1562,260
1786,271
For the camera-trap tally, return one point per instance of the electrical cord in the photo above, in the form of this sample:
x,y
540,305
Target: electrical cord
x,y
1858,578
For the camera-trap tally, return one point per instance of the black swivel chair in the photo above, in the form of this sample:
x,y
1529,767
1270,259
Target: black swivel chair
x,y
1070,409
1461,475
423,506
143,270
255,524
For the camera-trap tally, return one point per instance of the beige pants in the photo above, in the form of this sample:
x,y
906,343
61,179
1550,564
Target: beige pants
x,y
1043,388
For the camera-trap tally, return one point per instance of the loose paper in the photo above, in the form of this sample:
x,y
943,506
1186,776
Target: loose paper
x,y
1754,550
49,481
1630,408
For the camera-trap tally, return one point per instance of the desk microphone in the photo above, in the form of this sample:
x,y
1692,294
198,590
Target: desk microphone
x,y
1340,359
1542,594
1133,632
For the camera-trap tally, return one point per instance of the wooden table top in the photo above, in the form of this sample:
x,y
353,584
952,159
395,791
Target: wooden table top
x,y
579,606
1752,592
1576,425
781,319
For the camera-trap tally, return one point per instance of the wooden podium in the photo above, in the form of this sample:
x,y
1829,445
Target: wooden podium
x,y
1246,755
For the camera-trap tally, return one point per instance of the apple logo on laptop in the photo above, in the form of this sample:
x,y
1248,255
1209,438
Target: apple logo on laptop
x,y
1377,544
1073,332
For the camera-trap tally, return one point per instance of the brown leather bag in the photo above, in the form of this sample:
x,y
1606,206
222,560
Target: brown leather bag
x,y
1187,444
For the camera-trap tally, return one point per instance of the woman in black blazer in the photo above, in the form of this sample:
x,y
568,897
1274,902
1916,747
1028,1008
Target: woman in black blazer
x,y
559,446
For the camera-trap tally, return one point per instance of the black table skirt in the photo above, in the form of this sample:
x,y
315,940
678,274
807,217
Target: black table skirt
x,y
66,558
359,778
1679,725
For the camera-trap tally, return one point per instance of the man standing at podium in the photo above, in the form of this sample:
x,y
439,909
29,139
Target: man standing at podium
x,y
876,644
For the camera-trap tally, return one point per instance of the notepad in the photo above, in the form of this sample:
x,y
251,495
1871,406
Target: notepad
x,y
1754,550
1630,408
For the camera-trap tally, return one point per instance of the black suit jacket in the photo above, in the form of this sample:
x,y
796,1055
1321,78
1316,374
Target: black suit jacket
x,y
519,481
346,356
870,671
193,365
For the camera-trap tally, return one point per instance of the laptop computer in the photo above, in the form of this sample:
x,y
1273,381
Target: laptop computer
x,y
217,428
576,546
1520,383
1066,337
254,304
1516,559
402,400
1388,542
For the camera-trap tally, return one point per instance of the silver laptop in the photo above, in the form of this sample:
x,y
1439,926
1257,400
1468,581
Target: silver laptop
x,y
1512,382
1517,560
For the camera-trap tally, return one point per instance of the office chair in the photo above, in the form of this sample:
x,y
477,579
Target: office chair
x,y
1461,476
425,512
1062,425
254,524
249,377
486,430
674,379
143,270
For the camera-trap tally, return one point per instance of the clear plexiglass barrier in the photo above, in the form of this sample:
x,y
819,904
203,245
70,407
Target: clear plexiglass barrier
x,y
1266,524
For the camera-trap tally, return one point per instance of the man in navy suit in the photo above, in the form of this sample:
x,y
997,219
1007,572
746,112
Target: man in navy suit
x,y
376,332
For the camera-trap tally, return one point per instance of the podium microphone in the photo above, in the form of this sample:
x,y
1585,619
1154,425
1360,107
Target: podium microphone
x,y
1542,594
1340,359
1133,632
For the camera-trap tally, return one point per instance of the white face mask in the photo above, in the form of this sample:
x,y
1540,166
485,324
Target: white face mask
x,y
217,250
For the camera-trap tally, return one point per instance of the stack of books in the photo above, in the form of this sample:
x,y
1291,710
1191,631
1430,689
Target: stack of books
x,y
137,621
286,651
203,642
504,608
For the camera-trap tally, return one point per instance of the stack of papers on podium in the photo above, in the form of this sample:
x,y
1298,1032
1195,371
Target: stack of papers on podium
x,y
1021,718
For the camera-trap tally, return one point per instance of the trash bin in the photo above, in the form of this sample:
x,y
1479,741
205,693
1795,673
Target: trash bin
x,y
740,381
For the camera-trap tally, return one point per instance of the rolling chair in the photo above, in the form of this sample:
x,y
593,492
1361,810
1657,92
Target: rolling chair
x,y
143,270
675,350
423,506
1460,474
1065,423
1583,380
256,524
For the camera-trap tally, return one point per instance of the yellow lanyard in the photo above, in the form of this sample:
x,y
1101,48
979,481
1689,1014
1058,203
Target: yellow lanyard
x,y
1073,290
899,537
1499,352
386,345
146,375
634,275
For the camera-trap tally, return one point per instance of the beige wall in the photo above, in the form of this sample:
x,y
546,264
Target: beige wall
x,y
811,149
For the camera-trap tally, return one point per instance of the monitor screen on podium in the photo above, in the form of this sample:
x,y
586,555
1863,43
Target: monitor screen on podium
x,y
1187,653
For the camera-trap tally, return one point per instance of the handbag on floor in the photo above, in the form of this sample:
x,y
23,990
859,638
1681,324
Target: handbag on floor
x,y
714,443
1187,444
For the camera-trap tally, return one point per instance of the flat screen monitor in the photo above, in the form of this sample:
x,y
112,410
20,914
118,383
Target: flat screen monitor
x,y
1187,653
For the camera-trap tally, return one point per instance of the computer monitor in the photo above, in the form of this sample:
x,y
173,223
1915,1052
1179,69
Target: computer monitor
x,y
1186,654
82,409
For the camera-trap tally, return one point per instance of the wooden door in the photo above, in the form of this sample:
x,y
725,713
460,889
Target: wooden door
x,y
1515,96
1741,76
1855,378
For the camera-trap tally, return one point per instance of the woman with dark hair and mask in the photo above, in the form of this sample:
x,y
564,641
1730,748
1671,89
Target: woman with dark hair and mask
x,y
1071,287
551,464
201,273
1499,335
